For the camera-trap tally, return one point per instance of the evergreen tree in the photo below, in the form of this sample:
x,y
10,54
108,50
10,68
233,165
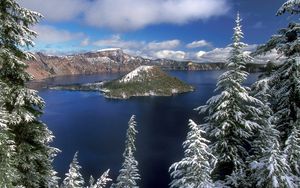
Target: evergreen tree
x,y
74,178
231,116
292,149
271,169
33,156
291,6
268,164
129,174
285,85
91,182
102,181
195,168
7,150
284,80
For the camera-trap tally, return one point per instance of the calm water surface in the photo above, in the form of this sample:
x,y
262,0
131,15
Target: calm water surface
x,y
96,127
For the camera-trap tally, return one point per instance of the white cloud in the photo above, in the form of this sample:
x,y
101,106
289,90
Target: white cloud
x,y
198,44
85,42
215,55
50,35
200,54
128,14
222,54
116,42
153,49
136,14
164,45
169,54
57,10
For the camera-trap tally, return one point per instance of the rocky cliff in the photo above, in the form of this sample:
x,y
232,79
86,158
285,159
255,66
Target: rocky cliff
x,y
45,66
110,60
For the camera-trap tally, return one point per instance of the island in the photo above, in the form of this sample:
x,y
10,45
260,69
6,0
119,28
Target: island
x,y
142,81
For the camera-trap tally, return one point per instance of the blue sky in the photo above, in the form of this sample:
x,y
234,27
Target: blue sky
x,y
176,29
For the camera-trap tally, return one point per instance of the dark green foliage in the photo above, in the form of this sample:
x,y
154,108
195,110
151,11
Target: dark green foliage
x,y
33,155
276,157
158,84
161,87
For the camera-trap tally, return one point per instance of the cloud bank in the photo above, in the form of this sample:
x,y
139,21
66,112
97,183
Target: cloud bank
x,y
170,54
57,10
198,44
168,49
152,49
125,15
222,54
51,35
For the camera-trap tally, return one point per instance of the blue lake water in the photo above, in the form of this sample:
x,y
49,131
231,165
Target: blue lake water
x,y
96,127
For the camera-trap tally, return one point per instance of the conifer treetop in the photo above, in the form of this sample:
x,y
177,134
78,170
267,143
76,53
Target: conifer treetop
x,y
238,33
129,173
290,6
102,181
195,168
130,137
74,178
238,59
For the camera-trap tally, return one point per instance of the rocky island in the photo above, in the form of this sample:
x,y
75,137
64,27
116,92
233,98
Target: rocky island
x,y
142,81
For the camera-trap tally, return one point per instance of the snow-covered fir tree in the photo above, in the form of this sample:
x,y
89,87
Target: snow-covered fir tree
x,y
292,149
74,178
129,174
291,6
91,182
271,169
7,149
230,121
195,168
285,85
268,164
33,156
102,181
284,81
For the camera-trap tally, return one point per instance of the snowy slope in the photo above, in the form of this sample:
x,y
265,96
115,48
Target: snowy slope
x,y
137,74
109,49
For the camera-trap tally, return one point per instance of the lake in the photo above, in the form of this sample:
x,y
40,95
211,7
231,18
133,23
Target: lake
x,y
96,127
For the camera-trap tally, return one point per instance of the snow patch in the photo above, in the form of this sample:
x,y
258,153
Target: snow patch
x,y
108,49
152,93
174,91
105,90
135,73
95,60
124,96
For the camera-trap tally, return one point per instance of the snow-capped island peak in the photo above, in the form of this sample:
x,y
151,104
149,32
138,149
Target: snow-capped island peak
x,y
142,81
136,73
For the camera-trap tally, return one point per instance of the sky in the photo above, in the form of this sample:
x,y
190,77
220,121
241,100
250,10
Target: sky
x,y
199,30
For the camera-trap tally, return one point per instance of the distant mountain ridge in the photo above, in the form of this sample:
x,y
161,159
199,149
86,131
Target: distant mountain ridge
x,y
104,61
